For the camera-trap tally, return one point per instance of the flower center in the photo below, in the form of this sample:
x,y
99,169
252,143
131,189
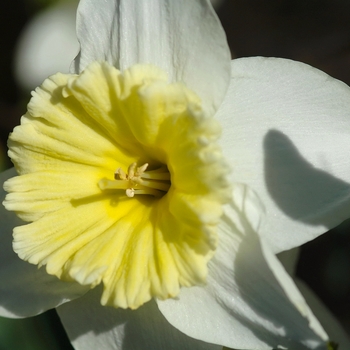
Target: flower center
x,y
139,181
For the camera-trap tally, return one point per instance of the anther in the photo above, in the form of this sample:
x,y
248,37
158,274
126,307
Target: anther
x,y
139,181
130,192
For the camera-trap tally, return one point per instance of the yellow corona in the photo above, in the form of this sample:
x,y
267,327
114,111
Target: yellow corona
x,y
121,182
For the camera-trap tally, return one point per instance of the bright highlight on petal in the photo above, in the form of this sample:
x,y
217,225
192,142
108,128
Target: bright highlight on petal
x,y
121,180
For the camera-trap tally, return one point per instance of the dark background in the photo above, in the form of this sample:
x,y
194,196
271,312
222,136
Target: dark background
x,y
316,32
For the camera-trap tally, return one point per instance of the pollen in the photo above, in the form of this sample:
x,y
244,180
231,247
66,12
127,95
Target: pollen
x,y
137,181
143,231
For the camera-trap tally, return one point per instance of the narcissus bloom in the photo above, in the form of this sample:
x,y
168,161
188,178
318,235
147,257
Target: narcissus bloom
x,y
123,197
122,180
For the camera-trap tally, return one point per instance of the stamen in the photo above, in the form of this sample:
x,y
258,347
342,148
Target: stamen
x,y
154,193
119,173
141,169
163,186
157,176
139,181
130,192
131,170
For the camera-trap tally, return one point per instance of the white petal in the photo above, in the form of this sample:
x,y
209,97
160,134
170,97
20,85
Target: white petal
x,y
185,38
329,322
289,260
26,290
216,3
91,326
332,326
249,301
47,45
287,135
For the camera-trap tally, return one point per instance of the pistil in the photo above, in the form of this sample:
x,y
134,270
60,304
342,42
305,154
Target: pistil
x,y
139,181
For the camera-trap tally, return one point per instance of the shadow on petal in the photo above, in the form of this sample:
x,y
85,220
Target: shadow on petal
x,y
278,321
266,309
302,191
89,324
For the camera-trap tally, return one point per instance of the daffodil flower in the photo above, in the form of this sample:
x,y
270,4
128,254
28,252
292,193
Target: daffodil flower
x,y
123,198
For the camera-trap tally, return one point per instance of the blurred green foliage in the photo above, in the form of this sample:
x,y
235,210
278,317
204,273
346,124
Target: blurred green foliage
x,y
41,332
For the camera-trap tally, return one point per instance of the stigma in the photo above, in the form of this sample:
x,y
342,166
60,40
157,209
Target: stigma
x,y
137,180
